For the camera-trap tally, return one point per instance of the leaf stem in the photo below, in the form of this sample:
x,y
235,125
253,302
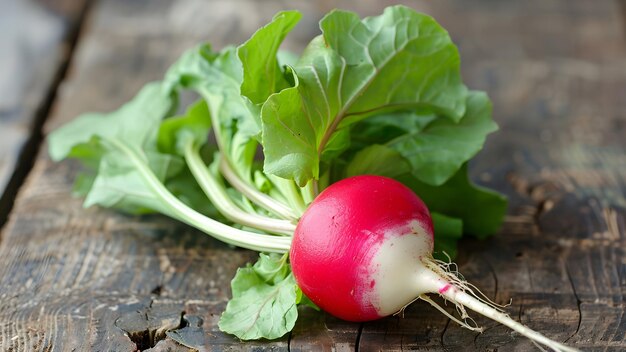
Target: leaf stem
x,y
254,194
290,191
218,196
309,192
234,178
179,210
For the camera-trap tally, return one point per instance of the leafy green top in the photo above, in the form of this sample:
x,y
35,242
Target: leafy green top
x,y
397,61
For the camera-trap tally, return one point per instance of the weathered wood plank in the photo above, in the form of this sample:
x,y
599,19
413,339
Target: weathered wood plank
x,y
73,278
69,271
36,40
558,95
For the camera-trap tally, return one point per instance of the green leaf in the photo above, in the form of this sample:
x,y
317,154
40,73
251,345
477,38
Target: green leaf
x,y
110,179
481,210
385,127
135,123
434,146
303,300
193,68
262,74
396,61
173,134
269,269
286,58
378,160
288,142
195,124
403,53
448,231
438,150
263,311
272,268
217,77
118,184
264,303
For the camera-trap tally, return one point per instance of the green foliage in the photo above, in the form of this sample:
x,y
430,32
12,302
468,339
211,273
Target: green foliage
x,y
264,303
393,62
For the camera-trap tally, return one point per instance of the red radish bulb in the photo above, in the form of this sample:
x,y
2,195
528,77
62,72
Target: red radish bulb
x,y
363,250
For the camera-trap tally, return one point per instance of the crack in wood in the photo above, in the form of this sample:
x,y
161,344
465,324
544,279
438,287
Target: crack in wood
x,y
28,154
191,334
578,302
157,290
358,338
495,279
147,326
443,333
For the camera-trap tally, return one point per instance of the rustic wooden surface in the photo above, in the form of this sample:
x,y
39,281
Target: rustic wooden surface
x,y
94,280
36,38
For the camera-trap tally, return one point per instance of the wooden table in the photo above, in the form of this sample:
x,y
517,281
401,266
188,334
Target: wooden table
x,y
74,279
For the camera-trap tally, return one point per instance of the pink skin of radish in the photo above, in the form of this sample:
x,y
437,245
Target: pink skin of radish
x,y
362,251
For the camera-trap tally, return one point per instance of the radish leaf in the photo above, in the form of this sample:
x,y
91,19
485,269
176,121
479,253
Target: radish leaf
x,y
482,210
448,231
262,75
196,123
378,160
112,181
434,146
264,303
217,78
438,150
399,60
136,123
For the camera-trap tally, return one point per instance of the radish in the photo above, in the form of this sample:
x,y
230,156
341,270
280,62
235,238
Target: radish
x,y
362,251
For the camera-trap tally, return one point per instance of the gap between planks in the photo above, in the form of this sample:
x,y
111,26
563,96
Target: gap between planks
x,y
28,154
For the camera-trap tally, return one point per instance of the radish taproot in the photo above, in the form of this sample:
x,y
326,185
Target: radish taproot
x,y
363,250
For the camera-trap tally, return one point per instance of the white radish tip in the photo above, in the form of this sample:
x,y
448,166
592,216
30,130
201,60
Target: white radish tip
x,y
453,287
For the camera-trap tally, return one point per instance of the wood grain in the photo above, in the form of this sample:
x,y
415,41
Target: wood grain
x,y
94,280
36,40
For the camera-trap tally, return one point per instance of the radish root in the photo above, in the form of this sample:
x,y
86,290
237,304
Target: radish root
x,y
449,271
463,322
454,288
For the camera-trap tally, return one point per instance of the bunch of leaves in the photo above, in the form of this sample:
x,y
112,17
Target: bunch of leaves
x,y
382,95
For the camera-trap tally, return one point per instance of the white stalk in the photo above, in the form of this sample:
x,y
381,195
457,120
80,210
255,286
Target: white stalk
x,y
252,193
221,200
179,210
290,191
450,287
468,301
255,195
